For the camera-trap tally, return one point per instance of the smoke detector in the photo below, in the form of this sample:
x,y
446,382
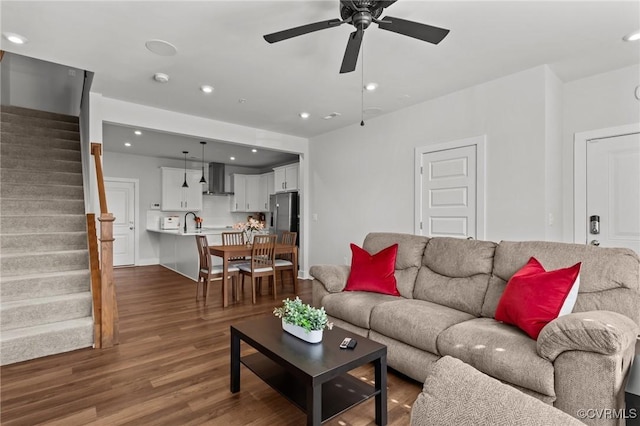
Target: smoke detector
x,y
161,77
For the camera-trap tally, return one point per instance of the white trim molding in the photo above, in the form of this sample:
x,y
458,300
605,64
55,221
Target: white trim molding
x,y
580,141
480,142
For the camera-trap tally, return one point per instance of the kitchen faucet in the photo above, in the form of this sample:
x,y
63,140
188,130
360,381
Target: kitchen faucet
x,y
185,220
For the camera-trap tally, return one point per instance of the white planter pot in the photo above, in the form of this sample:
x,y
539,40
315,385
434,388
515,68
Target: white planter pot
x,y
313,336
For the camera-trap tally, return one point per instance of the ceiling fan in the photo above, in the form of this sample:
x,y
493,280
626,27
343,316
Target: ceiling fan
x,y
360,14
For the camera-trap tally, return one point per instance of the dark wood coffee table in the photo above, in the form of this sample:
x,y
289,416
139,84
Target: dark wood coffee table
x,y
313,376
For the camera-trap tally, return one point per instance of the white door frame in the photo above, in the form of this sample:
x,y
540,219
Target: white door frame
x,y
480,143
136,192
580,141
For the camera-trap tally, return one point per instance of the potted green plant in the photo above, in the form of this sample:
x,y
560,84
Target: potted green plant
x,y
302,320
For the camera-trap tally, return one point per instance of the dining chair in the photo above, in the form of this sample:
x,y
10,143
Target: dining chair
x,y
284,261
235,239
208,272
261,263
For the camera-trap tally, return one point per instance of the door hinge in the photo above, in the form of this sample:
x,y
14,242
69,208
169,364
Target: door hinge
x,y
421,226
421,170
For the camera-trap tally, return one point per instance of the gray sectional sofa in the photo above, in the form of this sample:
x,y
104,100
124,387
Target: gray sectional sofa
x,y
450,289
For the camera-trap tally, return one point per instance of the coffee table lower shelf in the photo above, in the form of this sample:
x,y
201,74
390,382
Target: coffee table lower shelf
x,y
338,394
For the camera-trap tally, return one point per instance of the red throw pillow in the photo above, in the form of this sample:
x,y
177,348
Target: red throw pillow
x,y
534,297
374,273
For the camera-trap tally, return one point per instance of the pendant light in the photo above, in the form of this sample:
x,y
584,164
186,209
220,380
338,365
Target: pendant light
x,y
185,184
202,179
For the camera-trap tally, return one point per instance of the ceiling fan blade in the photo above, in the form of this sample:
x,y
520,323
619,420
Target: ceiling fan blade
x,y
304,29
413,29
351,53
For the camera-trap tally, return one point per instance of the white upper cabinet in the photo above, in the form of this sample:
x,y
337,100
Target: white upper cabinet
x,y
266,189
286,178
177,198
246,193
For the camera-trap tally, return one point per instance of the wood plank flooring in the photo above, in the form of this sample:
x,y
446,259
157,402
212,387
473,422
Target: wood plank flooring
x,y
171,367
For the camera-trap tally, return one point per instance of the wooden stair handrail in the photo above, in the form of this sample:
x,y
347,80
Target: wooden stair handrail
x,y
96,151
106,322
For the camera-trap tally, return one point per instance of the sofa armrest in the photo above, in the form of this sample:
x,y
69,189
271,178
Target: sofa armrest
x,y
332,277
602,332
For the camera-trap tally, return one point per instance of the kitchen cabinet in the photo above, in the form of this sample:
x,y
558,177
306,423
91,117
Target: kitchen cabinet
x,y
246,193
266,189
286,178
177,198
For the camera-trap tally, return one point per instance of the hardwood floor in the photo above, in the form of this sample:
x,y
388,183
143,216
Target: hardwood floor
x,y
171,367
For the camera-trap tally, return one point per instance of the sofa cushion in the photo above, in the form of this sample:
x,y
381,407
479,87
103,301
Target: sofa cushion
x,y
501,351
534,297
373,272
455,273
455,393
415,322
609,278
408,260
353,306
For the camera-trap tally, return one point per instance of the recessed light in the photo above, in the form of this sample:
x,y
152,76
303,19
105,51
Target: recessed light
x,y
161,47
138,132
15,38
127,144
634,36
371,87
304,115
161,77
206,88
254,150
332,115
242,100
232,158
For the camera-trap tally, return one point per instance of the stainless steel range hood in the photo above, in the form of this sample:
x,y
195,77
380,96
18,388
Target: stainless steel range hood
x,y
217,177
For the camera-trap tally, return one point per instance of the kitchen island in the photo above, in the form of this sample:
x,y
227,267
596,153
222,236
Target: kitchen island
x,y
178,250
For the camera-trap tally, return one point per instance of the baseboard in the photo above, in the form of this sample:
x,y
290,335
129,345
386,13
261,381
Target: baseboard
x,y
148,262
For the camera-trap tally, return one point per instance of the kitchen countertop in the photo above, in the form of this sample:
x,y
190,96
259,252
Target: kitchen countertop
x,y
192,231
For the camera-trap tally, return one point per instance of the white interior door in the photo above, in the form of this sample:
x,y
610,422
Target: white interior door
x,y
121,202
613,191
449,192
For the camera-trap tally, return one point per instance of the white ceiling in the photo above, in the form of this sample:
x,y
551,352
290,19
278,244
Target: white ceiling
x,y
220,43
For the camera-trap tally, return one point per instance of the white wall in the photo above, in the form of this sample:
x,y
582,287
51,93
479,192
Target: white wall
x,y
593,103
553,157
361,178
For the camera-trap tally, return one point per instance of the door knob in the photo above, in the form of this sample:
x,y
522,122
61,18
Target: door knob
x,y
595,243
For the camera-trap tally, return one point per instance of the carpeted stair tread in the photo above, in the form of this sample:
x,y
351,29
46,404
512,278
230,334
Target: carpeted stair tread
x,y
34,263
27,112
48,122
26,224
34,177
42,164
42,242
44,285
34,342
23,129
37,142
13,207
42,310
27,152
40,192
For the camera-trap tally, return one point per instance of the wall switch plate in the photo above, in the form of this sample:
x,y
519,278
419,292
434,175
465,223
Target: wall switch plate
x,y
155,206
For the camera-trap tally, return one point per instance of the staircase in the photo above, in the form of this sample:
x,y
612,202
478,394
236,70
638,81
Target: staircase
x,y
45,297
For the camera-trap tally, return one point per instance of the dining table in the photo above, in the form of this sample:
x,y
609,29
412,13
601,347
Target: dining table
x,y
227,252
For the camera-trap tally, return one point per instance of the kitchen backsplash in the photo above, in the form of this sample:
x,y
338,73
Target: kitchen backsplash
x,y
216,211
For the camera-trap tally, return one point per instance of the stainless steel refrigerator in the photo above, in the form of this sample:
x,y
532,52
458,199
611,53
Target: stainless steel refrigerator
x,y
284,214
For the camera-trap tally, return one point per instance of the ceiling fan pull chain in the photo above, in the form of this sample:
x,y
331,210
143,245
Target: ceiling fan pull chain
x,y
362,83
